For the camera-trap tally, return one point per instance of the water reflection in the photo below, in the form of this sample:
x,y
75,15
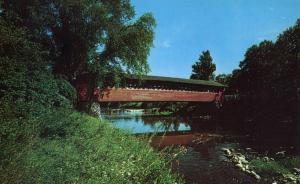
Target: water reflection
x,y
139,121
203,161
148,124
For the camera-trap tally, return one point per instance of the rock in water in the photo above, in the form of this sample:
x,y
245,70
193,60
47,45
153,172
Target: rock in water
x,y
226,151
255,175
296,170
280,153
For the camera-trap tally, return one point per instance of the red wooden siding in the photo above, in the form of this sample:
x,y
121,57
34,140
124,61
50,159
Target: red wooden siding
x,y
142,95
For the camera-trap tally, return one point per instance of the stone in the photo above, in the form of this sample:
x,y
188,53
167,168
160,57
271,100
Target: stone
x,y
226,151
267,159
296,170
256,176
248,171
239,166
293,180
290,177
280,153
243,160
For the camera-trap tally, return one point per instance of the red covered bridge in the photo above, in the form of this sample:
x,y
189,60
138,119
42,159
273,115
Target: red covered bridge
x,y
157,89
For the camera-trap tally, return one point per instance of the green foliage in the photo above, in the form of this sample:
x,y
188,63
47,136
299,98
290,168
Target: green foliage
x,y
103,38
268,79
81,149
290,162
271,69
280,169
224,79
256,68
204,68
66,89
269,168
43,140
28,90
26,85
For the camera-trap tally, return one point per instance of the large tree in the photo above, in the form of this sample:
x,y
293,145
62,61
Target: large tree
x,y
256,69
269,76
204,68
98,37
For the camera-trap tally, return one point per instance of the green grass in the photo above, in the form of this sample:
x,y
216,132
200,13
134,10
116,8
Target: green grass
x,y
291,162
268,168
77,148
276,169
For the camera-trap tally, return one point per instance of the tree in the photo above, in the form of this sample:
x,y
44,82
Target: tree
x,y
269,76
102,38
224,78
37,124
256,69
204,68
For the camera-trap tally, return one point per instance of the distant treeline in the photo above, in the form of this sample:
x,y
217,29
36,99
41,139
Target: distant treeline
x,y
266,87
269,76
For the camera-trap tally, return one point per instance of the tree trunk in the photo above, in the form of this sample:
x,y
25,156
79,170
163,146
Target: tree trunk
x,y
95,110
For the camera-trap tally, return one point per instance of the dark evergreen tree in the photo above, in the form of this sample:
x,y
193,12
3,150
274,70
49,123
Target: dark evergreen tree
x,y
204,68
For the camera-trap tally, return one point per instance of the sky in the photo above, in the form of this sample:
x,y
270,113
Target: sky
x,y
226,28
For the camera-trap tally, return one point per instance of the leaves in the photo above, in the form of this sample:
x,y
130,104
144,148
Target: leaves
x,y
272,69
204,68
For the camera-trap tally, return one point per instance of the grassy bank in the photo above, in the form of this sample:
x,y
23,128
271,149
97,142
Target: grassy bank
x,y
279,168
282,170
44,140
77,148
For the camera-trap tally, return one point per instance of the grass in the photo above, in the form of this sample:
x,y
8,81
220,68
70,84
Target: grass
x,y
77,148
269,167
292,162
280,169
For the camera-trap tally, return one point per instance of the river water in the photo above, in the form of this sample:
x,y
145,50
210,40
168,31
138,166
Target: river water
x,y
204,161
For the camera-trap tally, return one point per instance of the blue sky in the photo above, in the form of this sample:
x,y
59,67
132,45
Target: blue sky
x,y
227,28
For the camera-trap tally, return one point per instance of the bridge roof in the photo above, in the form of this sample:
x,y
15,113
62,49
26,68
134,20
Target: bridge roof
x,y
178,80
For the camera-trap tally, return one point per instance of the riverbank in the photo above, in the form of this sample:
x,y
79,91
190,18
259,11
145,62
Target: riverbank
x,y
278,168
77,148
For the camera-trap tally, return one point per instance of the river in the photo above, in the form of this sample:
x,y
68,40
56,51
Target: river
x,y
203,139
